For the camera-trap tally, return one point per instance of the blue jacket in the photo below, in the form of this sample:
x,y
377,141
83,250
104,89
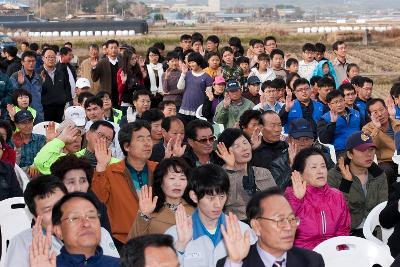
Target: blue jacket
x,y
35,88
362,106
64,259
297,113
344,128
397,112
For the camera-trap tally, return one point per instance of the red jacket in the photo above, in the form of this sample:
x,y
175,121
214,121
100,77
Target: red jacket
x,y
323,214
9,155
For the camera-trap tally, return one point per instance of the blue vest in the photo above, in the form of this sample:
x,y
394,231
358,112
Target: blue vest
x,y
362,106
343,129
296,113
397,112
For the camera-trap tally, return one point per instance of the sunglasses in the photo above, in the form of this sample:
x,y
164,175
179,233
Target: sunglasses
x,y
206,140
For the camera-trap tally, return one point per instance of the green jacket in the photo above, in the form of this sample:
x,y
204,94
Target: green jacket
x,y
228,117
359,204
51,152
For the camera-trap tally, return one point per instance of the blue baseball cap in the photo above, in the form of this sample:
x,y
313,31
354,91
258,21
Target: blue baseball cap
x,y
253,80
23,115
232,86
359,141
300,128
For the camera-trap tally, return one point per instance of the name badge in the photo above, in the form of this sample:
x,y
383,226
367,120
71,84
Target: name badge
x,y
192,256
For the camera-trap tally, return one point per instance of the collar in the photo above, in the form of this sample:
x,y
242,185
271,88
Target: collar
x,y
79,259
113,61
200,230
50,71
267,258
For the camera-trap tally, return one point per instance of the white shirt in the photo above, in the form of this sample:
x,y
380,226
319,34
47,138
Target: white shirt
x,y
306,69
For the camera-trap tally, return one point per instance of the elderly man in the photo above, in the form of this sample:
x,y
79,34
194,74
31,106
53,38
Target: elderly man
x,y
274,222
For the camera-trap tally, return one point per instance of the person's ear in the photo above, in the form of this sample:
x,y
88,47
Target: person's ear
x,y
163,132
190,142
255,225
57,231
126,147
349,154
193,196
330,106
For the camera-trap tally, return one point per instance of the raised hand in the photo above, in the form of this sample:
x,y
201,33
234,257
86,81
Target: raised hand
x,y
299,185
390,106
43,76
292,151
227,101
69,134
103,155
51,131
375,121
21,78
32,172
11,111
184,228
256,138
345,170
288,100
123,76
209,94
226,155
147,203
334,116
177,148
39,250
184,69
237,245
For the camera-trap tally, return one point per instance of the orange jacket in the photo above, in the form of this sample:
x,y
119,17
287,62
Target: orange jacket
x,y
114,187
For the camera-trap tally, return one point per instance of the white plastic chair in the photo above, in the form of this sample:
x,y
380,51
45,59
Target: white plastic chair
x,y
350,251
372,221
14,218
257,107
40,128
199,113
332,151
23,179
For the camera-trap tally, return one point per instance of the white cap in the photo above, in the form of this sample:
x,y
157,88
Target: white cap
x,y
76,114
82,82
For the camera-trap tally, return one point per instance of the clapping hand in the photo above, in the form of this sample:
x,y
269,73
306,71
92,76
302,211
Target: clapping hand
x,y
292,151
226,155
334,116
21,78
299,185
390,106
209,94
175,147
345,170
227,101
39,250
256,138
288,100
375,121
51,131
147,203
184,228
237,245
103,155
11,111
183,67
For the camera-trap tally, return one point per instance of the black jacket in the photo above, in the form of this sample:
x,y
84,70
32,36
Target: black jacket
x,y
390,217
207,106
9,185
57,92
296,257
63,68
13,65
191,158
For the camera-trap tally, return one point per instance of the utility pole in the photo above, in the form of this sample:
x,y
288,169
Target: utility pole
x,y
107,6
66,8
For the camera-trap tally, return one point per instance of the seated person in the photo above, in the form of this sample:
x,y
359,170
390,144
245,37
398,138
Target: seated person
x,y
200,233
141,102
312,199
158,203
168,108
274,222
110,114
40,195
234,148
349,94
339,123
363,182
269,98
155,117
21,100
253,90
249,122
325,85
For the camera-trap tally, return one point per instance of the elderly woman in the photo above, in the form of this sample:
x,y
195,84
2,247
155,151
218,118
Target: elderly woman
x,y
322,210
235,149
157,204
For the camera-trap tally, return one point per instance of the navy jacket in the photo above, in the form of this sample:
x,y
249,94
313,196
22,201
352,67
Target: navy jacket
x,y
64,259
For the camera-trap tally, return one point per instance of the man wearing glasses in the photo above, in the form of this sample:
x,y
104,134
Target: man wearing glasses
x,y
273,221
302,107
200,137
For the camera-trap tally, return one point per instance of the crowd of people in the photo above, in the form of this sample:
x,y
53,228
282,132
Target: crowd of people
x,y
210,154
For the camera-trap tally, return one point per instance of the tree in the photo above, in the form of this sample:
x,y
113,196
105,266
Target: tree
x,y
89,6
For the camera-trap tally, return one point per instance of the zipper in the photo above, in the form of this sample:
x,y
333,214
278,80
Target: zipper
x,y
323,221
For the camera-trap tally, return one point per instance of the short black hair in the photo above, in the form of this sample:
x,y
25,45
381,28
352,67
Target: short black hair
x,y
68,43
166,103
95,46
185,37
65,50
230,135
253,208
57,212
276,51
299,161
194,125
300,81
94,100
242,59
266,84
28,53
373,101
196,57
264,56
178,165
209,179
351,65
140,92
336,44
320,47
395,90
172,55
326,82
132,253
34,47
308,47
278,83
20,92
41,187
256,41
101,94
268,38
153,115
84,95
125,133
265,112
357,81
25,43
247,116
213,38
314,80
291,61
95,126
11,50
71,162
197,35
211,54
366,80
48,49
346,87
166,123
111,41
159,45
333,94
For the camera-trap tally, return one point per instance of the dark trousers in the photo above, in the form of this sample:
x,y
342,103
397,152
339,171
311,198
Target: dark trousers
x,y
390,168
54,113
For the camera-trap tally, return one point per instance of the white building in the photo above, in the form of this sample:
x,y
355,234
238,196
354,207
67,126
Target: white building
x,y
214,5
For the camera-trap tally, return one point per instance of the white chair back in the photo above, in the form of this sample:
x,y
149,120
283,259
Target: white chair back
x,y
332,151
21,176
14,218
199,113
350,251
40,128
372,221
